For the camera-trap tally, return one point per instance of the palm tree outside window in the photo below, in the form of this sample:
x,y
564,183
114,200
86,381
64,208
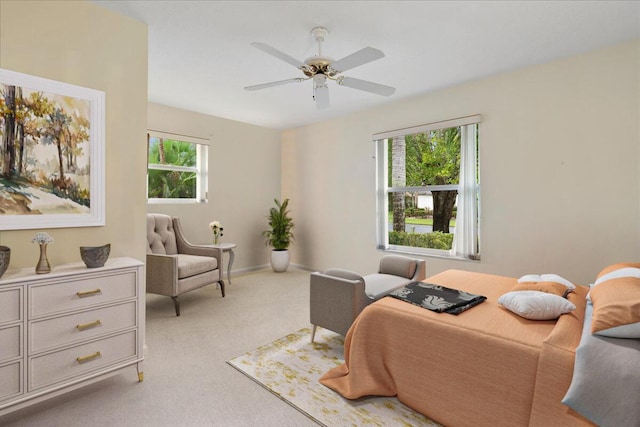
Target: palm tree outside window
x,y
176,169
428,189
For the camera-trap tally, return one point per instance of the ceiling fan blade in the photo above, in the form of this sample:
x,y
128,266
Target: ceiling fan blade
x,y
272,84
278,54
322,97
356,59
366,86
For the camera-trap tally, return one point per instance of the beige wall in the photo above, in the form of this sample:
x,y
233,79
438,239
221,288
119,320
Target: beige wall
x,y
560,156
244,178
86,45
560,174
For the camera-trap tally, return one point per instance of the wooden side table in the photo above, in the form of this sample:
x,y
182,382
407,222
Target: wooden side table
x,y
227,247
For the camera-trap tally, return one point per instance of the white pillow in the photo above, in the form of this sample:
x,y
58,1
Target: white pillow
x,y
547,278
558,279
536,305
530,278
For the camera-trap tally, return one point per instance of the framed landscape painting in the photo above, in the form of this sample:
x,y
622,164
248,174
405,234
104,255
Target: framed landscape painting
x,y
51,153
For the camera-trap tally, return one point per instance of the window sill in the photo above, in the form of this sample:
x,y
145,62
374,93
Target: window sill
x,y
428,255
175,201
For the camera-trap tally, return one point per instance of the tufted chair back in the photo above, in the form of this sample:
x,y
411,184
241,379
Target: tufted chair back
x,y
161,238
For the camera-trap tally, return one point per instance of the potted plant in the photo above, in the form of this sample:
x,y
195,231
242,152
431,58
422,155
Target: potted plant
x,y
280,235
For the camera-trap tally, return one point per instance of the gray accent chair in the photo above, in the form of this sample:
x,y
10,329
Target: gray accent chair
x,y
338,296
175,266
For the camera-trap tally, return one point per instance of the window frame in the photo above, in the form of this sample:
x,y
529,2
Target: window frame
x,y
201,168
383,189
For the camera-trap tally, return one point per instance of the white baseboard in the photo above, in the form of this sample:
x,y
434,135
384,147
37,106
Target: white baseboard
x,y
253,269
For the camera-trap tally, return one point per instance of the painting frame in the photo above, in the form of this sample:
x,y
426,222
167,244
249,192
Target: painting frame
x,y
92,100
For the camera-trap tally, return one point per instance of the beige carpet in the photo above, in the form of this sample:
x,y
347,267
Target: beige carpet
x,y
187,381
290,367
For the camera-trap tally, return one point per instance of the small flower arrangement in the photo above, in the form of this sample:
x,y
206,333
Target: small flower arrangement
x,y
216,228
42,238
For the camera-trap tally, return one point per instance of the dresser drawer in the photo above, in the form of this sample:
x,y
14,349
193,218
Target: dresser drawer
x,y
10,305
44,334
10,342
80,360
80,292
10,384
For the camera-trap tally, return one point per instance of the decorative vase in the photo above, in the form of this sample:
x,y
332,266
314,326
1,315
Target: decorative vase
x,y
95,256
5,258
280,260
216,239
43,266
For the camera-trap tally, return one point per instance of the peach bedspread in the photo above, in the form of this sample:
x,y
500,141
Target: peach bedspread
x,y
484,367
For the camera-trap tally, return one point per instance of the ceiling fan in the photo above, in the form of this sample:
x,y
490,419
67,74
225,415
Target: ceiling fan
x,y
320,68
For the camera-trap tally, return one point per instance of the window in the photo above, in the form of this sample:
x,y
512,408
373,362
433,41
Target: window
x,y
428,189
176,168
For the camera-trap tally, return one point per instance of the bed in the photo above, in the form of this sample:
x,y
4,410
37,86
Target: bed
x,y
485,366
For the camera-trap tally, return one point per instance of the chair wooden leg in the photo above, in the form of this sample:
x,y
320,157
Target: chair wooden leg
x,y
313,333
176,304
222,287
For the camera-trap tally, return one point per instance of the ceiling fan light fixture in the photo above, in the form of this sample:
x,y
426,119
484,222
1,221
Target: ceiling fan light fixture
x,y
319,80
321,96
320,68
321,91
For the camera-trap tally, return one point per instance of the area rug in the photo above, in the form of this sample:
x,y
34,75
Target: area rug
x,y
290,368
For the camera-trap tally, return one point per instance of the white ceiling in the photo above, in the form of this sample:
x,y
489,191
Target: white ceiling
x,y
200,56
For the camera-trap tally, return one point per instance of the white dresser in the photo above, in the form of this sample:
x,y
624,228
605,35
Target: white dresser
x,y
67,328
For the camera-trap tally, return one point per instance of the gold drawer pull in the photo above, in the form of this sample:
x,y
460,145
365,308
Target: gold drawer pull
x,y
88,293
89,358
88,325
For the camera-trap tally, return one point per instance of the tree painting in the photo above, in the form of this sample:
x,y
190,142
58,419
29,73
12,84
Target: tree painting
x,y
44,152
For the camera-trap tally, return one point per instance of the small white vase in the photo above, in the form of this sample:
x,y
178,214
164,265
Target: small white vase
x,y
280,260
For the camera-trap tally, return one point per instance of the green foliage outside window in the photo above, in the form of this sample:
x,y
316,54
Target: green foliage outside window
x,y
430,158
171,152
435,240
172,169
171,184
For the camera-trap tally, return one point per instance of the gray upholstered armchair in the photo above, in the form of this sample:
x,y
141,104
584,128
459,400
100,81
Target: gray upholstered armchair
x,y
338,296
175,266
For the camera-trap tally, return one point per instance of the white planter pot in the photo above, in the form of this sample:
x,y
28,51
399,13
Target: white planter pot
x,y
280,260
